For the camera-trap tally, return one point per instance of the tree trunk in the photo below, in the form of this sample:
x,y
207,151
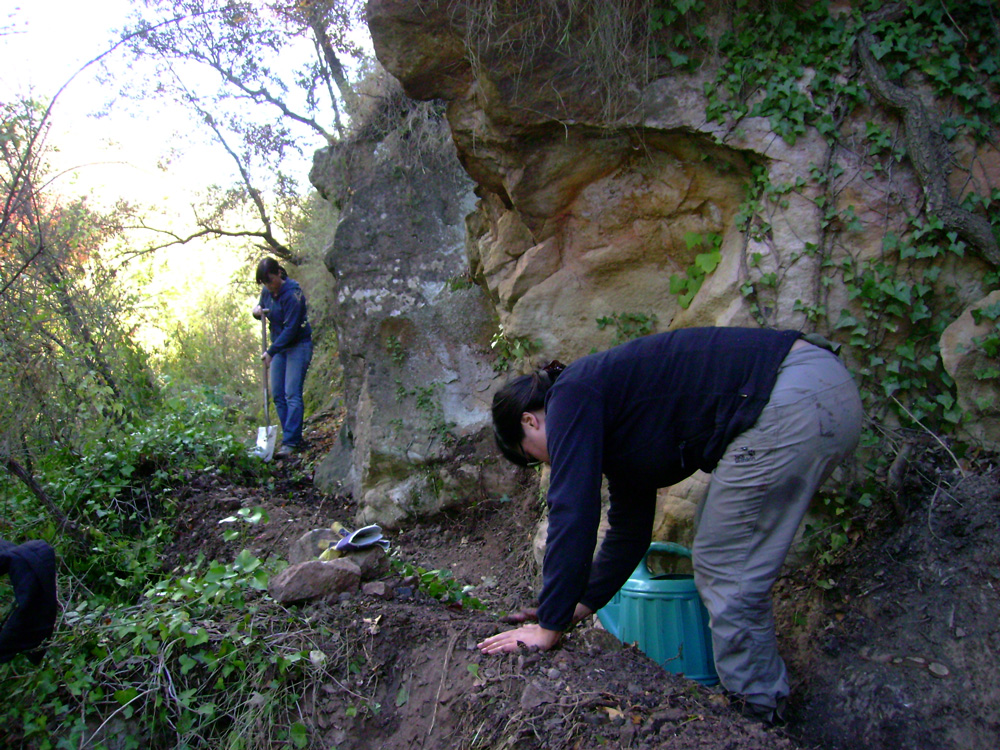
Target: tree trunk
x,y
13,467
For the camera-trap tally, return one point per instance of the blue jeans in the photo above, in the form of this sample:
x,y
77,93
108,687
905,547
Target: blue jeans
x,y
288,373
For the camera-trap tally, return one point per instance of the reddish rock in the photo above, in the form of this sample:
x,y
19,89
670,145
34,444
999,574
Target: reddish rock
x,y
315,579
380,589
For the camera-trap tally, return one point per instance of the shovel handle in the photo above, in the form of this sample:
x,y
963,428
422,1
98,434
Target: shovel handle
x,y
263,346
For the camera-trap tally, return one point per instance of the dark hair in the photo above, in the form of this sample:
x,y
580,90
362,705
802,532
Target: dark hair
x,y
267,268
522,394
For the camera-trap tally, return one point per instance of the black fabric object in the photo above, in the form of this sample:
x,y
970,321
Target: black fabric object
x,y
32,569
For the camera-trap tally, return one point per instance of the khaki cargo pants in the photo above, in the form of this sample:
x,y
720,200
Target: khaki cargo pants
x,y
757,497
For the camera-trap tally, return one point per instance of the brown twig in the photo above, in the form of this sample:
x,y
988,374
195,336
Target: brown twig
x,y
444,676
897,472
939,440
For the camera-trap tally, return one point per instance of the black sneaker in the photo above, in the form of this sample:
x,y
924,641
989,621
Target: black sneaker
x,y
766,715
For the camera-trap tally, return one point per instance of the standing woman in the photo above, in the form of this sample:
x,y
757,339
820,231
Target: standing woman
x,y
290,352
768,414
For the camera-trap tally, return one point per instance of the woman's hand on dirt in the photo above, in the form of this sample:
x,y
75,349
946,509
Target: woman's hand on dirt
x,y
532,636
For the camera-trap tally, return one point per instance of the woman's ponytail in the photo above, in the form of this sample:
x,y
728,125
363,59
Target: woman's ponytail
x,y
522,394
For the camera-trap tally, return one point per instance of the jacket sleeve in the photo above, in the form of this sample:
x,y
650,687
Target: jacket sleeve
x,y
293,315
261,302
630,529
575,439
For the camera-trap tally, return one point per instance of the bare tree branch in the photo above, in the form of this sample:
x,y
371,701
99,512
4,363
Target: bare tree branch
x,y
176,239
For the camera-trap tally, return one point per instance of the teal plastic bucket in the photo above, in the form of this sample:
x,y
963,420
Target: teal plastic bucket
x,y
663,615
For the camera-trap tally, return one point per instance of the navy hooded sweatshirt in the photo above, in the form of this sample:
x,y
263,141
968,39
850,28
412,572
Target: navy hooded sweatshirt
x,y
287,317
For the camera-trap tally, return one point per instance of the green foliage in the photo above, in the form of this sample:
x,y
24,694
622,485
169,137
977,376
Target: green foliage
x,y
989,343
120,487
842,513
677,33
67,360
765,58
787,63
511,351
197,658
686,285
953,47
796,66
460,283
189,433
244,518
899,295
202,660
217,343
429,403
425,397
438,584
628,326
790,68
395,349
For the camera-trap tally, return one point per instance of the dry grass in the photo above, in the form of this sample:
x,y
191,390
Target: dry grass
x,y
604,42
409,133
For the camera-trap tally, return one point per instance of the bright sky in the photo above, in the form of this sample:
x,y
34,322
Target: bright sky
x,y
112,156
121,154
116,155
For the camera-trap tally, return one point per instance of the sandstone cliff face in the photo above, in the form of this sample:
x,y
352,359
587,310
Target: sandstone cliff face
x,y
581,217
651,216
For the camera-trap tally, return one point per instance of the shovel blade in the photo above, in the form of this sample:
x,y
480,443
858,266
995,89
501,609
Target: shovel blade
x,y
266,437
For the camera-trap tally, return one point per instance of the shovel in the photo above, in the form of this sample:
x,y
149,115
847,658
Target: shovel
x,y
267,434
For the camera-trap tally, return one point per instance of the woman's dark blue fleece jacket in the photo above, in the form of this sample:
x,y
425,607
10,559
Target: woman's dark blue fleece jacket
x,y
287,318
646,414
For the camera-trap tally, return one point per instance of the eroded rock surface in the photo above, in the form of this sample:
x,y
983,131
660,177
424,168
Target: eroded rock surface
x,y
592,215
414,341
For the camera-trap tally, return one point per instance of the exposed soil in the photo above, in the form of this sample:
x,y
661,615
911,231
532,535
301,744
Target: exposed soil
x,y
895,650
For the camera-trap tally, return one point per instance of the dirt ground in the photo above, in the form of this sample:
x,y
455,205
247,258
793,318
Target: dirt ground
x,y
894,646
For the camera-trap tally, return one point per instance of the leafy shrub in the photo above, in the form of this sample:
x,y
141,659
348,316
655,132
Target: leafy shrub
x,y
119,488
218,345
202,660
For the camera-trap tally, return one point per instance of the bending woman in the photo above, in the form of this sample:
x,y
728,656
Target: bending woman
x,y
767,413
290,352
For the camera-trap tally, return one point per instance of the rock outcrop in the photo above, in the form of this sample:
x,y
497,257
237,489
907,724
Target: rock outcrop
x,y
413,334
971,360
596,213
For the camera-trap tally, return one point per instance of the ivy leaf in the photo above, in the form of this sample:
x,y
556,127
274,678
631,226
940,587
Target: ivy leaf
x,y
402,696
678,284
846,320
299,734
881,49
707,262
246,562
677,59
187,663
692,240
124,696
